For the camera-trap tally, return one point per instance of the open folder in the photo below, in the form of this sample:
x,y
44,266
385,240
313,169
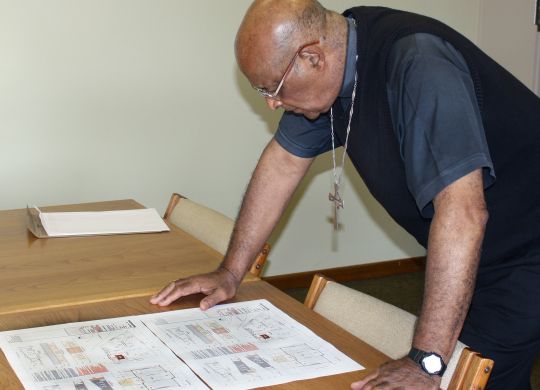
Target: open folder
x,y
87,223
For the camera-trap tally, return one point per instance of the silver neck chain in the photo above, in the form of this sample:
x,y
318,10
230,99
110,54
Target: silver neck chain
x,y
338,170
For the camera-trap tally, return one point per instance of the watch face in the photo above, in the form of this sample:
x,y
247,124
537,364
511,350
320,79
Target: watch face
x,y
432,364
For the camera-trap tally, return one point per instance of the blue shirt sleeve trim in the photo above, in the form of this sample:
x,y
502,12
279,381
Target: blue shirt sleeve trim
x,y
425,196
298,150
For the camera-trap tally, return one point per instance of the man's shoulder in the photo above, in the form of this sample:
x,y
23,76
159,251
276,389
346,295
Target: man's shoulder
x,y
423,46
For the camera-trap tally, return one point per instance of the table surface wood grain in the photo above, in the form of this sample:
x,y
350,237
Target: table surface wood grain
x,y
57,272
364,354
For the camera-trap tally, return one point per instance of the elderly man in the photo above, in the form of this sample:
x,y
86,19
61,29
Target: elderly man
x,y
440,134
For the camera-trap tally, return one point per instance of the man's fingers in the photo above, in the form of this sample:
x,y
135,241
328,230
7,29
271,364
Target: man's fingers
x,y
213,299
217,286
360,384
163,293
176,290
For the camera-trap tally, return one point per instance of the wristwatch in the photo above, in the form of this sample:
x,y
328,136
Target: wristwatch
x,y
432,363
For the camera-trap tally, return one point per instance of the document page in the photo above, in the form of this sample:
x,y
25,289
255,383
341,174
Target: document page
x,y
233,346
247,344
107,354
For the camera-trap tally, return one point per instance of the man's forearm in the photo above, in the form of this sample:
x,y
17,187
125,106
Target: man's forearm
x,y
272,184
455,241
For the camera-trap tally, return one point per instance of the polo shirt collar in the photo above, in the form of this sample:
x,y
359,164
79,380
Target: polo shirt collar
x,y
350,61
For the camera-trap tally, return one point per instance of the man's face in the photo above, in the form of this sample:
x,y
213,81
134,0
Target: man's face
x,y
300,89
303,98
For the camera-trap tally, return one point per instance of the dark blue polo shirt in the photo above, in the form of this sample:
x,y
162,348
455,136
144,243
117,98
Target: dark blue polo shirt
x,y
434,112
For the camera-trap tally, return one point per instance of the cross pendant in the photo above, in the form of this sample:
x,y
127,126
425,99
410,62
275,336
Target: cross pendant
x,y
338,203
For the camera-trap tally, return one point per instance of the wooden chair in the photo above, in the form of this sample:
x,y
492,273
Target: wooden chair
x,y
390,330
208,226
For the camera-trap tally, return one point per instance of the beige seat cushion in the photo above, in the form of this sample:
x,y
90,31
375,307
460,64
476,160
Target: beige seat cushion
x,y
381,325
207,225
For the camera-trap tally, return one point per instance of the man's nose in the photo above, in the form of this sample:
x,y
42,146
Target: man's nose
x,y
273,104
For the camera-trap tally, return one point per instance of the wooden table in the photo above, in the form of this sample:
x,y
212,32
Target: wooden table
x,y
344,341
57,272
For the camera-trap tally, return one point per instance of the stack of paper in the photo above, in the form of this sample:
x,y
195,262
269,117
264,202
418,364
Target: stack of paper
x,y
101,222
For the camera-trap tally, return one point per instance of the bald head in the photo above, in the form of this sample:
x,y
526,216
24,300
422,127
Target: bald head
x,y
272,30
302,34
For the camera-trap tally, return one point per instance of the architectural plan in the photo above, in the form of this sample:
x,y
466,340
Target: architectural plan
x,y
110,354
246,345
233,346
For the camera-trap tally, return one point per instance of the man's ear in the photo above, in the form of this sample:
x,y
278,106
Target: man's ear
x,y
314,56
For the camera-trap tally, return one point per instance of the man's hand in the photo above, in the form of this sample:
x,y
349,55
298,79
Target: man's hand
x,y
401,374
219,286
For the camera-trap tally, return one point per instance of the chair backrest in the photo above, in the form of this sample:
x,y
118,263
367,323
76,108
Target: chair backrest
x,y
390,330
208,226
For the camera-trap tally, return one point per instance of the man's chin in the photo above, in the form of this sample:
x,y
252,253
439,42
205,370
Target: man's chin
x,y
311,115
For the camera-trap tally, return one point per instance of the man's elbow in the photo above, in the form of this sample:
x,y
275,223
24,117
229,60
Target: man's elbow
x,y
476,218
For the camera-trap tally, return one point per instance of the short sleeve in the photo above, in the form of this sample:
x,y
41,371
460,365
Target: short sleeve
x,y
304,137
436,117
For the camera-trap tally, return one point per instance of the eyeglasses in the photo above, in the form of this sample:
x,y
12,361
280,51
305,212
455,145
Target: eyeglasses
x,y
274,95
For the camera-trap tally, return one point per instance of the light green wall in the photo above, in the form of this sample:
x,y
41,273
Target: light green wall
x,y
105,100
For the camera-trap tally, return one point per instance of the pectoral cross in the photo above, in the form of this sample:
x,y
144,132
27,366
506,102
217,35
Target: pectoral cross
x,y
338,203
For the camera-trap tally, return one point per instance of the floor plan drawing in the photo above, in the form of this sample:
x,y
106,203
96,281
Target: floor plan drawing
x,y
101,355
246,345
